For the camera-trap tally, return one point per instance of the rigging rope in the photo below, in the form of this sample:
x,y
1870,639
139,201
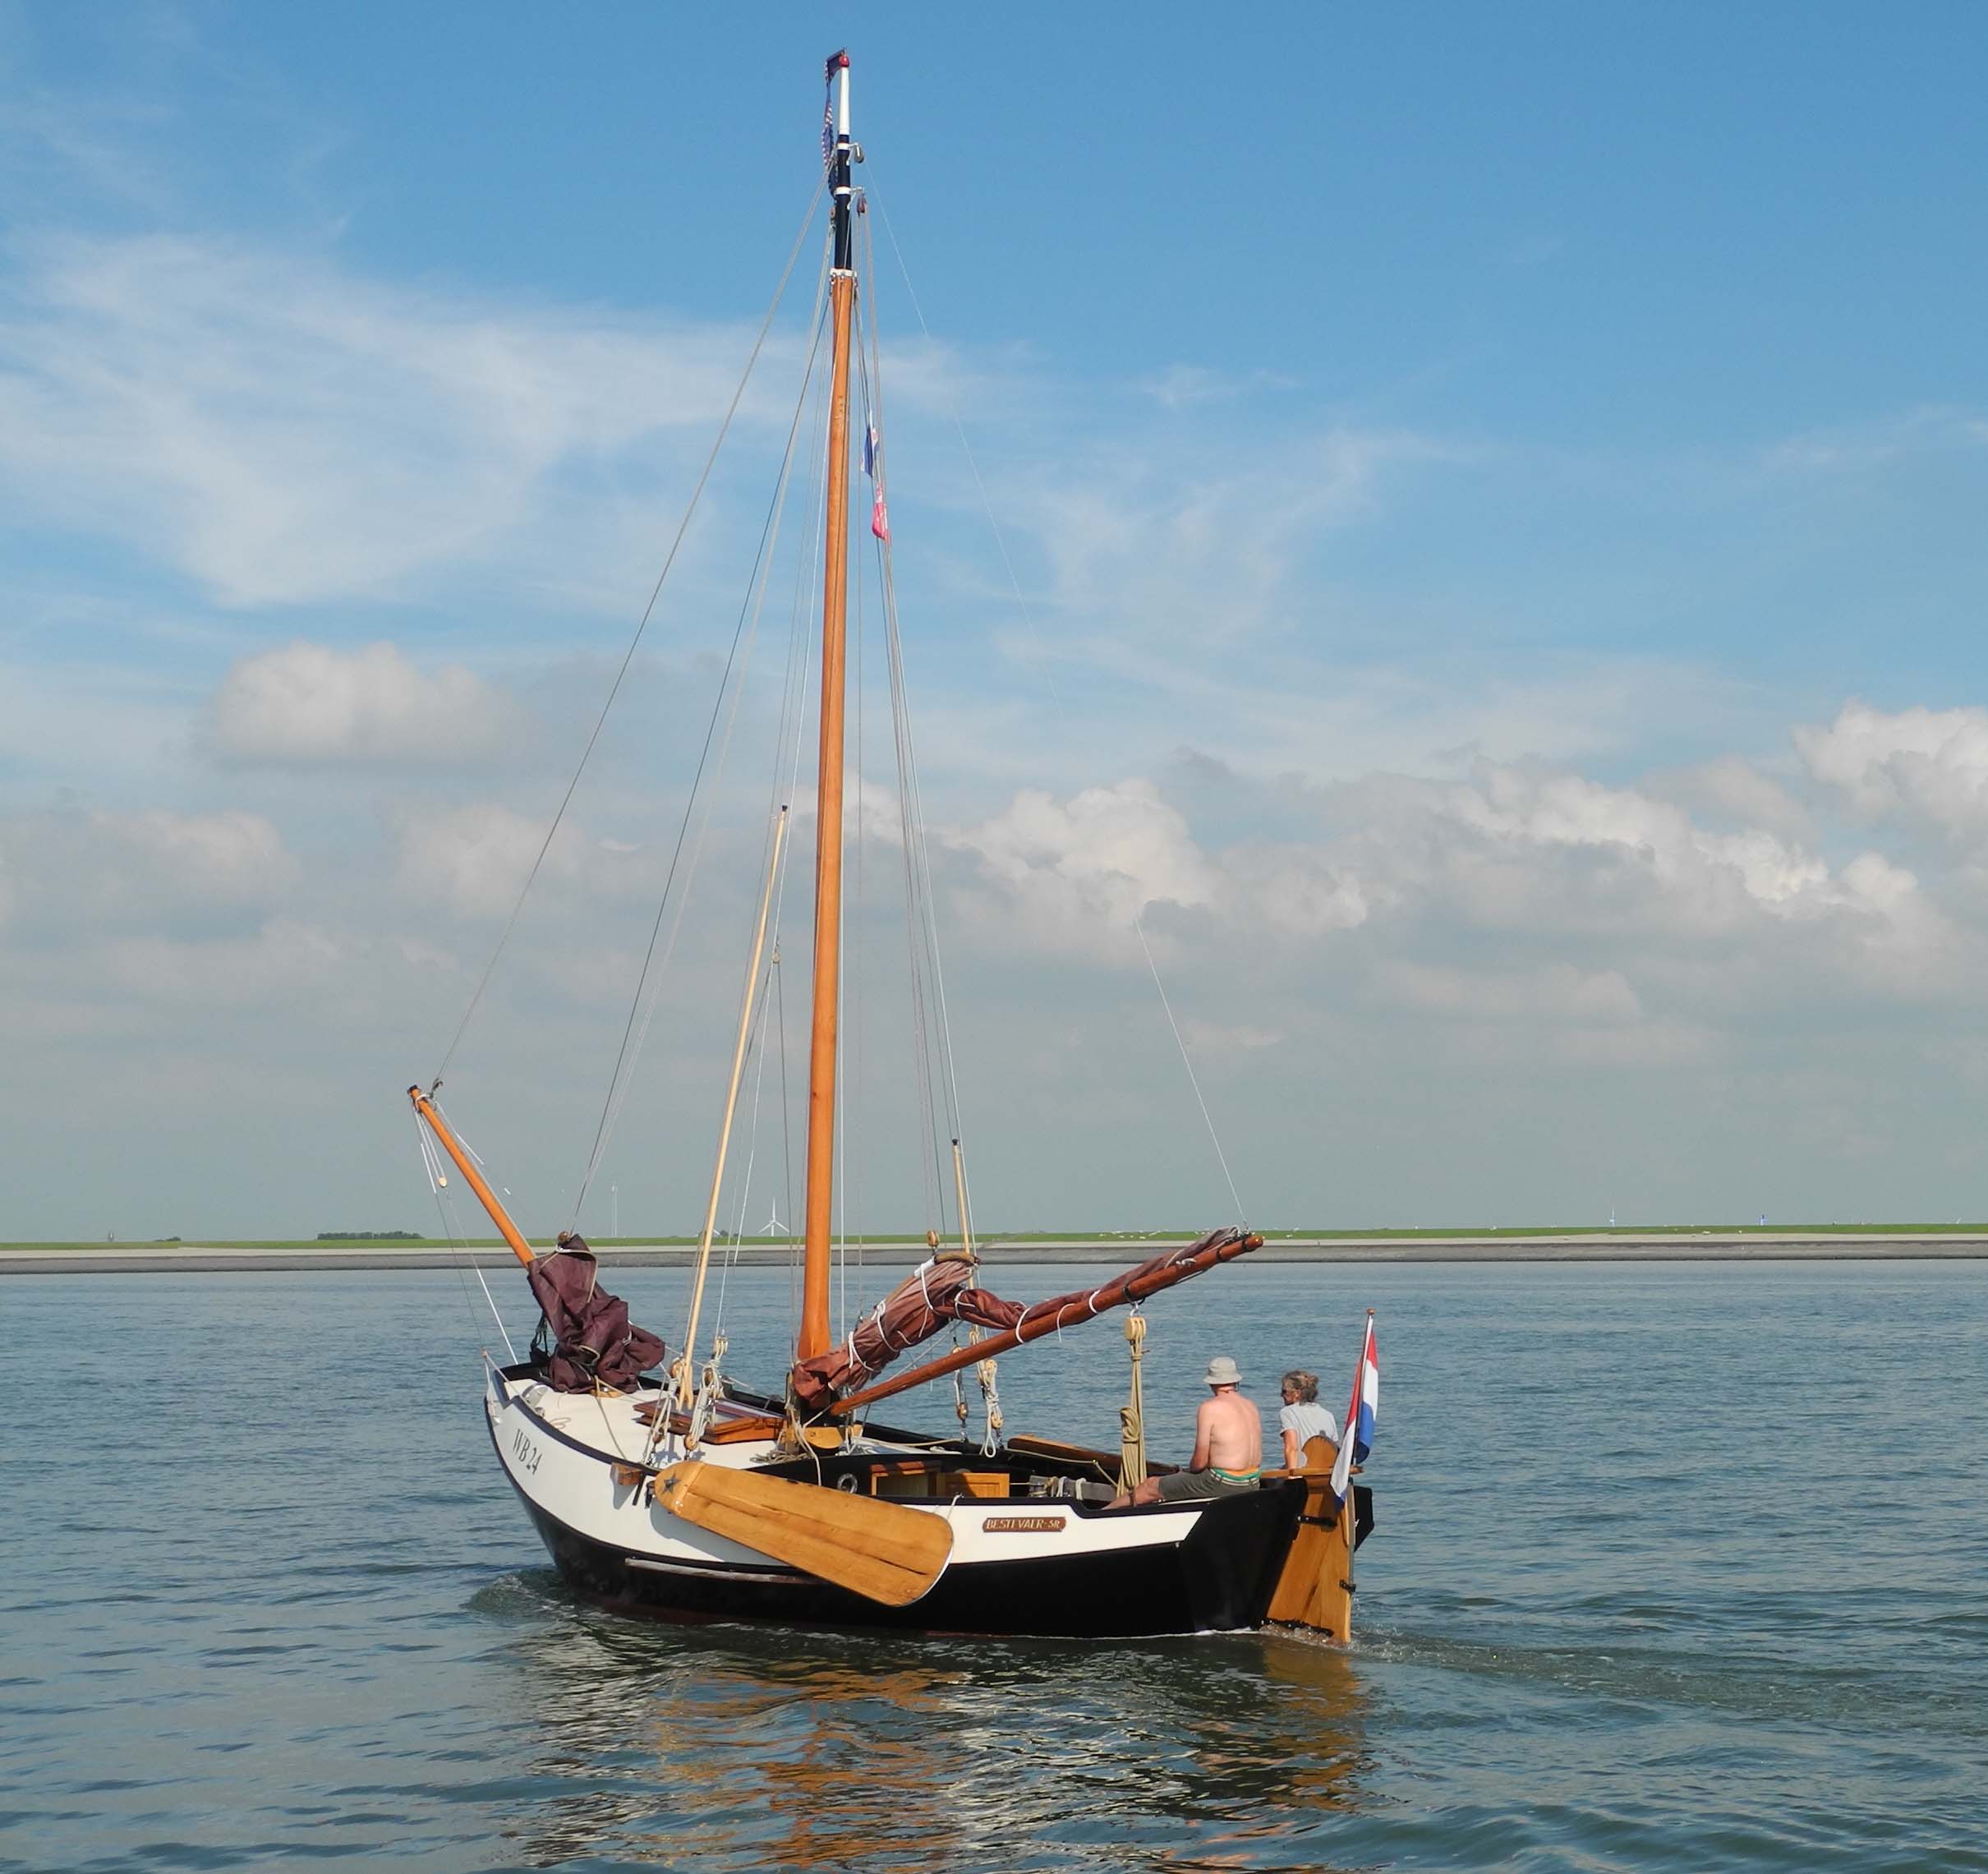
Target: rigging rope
x,y
452,1232
933,1030
641,625
1056,702
1193,1078
632,1040
794,719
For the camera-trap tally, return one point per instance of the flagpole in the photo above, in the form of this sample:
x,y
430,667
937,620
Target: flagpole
x,y
1350,1508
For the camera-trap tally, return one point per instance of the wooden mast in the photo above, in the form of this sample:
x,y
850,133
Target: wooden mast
x,y
814,1337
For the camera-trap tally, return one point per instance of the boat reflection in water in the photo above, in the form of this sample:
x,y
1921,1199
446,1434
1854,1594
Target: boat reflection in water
x,y
734,1747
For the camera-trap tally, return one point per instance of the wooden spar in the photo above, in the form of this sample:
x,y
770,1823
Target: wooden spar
x,y
814,1337
966,1220
974,1335
426,1110
1113,1294
731,1103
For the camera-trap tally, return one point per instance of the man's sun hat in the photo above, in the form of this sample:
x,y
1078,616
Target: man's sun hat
x,y
1222,1372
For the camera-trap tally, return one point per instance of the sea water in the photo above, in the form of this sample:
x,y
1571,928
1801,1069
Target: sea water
x,y
1677,1567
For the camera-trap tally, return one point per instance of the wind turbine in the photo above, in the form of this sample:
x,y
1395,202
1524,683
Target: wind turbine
x,y
774,1227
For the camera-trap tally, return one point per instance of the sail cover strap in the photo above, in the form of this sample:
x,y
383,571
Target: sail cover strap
x,y
934,1292
919,1306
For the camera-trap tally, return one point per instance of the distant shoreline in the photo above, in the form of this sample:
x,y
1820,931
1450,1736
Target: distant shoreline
x,y
1829,1244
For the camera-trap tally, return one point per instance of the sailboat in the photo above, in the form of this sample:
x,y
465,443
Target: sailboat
x,y
664,1488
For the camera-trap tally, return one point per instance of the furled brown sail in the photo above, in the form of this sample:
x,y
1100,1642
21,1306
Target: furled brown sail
x,y
590,1334
940,1291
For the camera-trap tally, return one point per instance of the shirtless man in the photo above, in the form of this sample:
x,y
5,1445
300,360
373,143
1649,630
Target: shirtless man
x,y
1228,1446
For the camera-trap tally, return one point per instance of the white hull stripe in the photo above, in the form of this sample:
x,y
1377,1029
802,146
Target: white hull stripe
x,y
568,1480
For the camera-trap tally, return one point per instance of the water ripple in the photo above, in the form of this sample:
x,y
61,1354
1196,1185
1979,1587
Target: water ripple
x,y
1612,1648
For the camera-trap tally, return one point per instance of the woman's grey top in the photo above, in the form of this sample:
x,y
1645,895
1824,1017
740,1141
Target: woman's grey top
x,y
1309,1419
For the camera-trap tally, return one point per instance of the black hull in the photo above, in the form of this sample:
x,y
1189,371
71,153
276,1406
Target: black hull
x,y
1220,1577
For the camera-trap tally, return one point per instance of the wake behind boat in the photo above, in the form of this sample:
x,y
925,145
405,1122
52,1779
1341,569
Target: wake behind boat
x,y
684,1495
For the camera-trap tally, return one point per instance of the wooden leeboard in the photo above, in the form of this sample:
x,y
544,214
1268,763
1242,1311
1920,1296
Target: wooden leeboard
x,y
883,1551
1310,1592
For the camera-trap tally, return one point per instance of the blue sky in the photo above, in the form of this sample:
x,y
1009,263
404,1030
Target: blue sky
x,y
1495,493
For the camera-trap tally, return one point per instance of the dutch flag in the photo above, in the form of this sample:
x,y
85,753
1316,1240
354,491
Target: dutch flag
x,y
880,515
1360,1414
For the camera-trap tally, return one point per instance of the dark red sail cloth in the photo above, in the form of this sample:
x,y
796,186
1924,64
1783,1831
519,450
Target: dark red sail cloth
x,y
936,1292
592,1337
1016,1325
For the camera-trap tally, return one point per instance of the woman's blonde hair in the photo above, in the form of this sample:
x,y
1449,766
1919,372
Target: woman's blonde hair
x,y
1305,1385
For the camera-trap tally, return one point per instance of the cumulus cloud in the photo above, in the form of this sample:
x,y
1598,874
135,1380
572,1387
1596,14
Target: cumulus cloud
x,y
1077,873
1108,851
1706,874
473,860
1731,789
63,872
1925,765
308,705
1434,884
1493,931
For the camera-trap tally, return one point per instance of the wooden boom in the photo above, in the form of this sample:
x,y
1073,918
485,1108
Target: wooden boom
x,y
1131,1287
424,1107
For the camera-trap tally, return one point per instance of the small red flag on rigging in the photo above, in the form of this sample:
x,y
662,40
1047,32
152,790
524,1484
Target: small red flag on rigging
x,y
879,516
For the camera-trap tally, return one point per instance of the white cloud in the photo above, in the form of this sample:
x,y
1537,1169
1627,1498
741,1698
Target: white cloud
x,y
1077,873
1854,448
1295,890
91,870
1181,386
285,959
475,860
1730,787
282,430
1927,765
1426,872
1135,546
1639,852
1108,852
1558,993
309,705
